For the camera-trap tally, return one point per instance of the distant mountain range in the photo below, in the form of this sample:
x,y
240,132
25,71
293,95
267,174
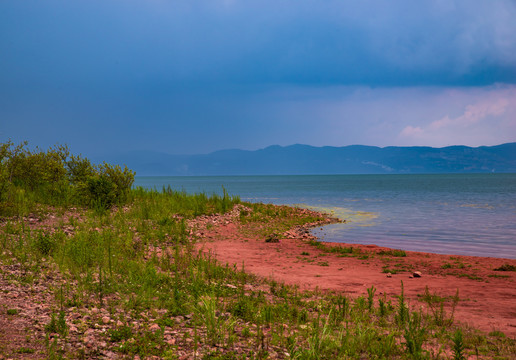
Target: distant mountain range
x,y
306,160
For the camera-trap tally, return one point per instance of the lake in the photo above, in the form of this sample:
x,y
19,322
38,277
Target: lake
x,y
468,214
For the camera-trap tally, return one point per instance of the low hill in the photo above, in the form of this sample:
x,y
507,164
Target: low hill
x,y
305,159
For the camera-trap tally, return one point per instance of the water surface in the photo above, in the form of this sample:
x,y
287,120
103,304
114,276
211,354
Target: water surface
x,y
473,214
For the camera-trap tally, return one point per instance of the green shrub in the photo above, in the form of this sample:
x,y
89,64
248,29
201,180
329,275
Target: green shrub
x,y
44,244
54,177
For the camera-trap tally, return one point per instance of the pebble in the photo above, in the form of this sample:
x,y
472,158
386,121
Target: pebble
x,y
417,274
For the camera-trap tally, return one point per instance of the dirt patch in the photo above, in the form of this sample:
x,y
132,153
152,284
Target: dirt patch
x,y
24,311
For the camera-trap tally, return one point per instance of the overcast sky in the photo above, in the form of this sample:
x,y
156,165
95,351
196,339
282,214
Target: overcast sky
x,y
193,76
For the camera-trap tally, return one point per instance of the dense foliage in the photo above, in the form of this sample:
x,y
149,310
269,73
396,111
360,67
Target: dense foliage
x,y
55,177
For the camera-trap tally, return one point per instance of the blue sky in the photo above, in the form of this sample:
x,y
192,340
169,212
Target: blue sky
x,y
193,76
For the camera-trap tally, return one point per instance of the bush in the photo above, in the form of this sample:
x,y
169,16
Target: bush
x,y
54,177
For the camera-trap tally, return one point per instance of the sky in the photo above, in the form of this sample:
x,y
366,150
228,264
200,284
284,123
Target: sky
x,y
196,76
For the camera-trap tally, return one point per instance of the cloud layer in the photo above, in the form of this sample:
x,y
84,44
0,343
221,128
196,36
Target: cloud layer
x,y
201,75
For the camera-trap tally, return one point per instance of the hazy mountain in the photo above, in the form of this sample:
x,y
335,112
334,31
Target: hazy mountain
x,y
304,159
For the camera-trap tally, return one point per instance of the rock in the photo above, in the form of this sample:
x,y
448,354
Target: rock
x,y
109,354
389,275
154,327
105,320
417,274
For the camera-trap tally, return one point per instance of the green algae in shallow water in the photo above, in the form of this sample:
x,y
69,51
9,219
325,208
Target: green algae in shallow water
x,y
352,217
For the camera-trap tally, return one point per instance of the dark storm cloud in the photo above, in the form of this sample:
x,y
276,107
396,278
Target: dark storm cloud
x,y
342,42
142,74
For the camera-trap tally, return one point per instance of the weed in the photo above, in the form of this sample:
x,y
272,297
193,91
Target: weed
x,y
44,244
383,306
12,311
458,346
25,350
497,276
216,325
146,343
122,333
497,333
402,311
436,305
57,324
370,297
393,252
272,238
414,335
506,267
470,276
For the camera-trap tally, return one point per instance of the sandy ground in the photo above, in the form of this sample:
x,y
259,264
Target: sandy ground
x,y
487,297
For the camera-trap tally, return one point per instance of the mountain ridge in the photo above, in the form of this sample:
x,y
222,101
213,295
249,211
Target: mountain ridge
x,y
300,159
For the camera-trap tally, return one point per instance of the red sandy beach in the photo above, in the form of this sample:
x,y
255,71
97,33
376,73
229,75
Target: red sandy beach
x,y
487,297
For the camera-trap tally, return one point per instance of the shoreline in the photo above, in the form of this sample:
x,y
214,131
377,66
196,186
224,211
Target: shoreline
x,y
486,296
429,249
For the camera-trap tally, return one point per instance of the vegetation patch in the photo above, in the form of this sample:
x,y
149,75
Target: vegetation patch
x,y
393,252
506,267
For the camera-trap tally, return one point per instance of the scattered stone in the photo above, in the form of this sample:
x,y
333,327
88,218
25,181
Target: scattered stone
x,y
389,275
110,355
417,274
105,320
154,327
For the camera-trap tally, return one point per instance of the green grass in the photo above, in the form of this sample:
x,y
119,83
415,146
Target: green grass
x,y
497,276
393,252
139,266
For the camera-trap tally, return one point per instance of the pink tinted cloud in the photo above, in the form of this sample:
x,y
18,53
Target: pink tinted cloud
x,y
489,115
473,114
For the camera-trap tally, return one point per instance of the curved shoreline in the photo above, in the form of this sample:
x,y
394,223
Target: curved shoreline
x,y
486,296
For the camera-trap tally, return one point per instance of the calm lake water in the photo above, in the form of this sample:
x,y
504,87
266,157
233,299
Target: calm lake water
x,y
473,214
